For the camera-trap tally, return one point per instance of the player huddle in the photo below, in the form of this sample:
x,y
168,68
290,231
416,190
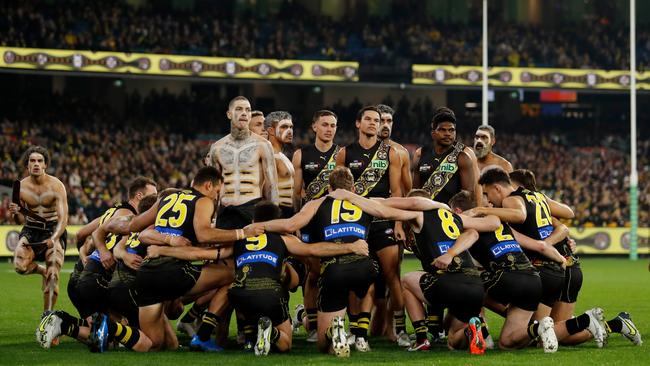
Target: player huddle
x,y
256,225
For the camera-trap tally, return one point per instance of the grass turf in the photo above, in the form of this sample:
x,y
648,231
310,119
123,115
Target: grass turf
x,y
613,284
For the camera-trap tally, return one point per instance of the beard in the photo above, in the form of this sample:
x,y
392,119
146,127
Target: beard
x,y
481,150
384,133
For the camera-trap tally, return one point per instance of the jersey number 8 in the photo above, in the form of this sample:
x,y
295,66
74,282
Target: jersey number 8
x,y
448,225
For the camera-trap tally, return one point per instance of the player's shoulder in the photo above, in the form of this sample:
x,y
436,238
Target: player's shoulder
x,y
55,182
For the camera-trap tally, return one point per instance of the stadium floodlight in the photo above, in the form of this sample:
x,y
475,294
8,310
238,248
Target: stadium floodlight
x,y
634,178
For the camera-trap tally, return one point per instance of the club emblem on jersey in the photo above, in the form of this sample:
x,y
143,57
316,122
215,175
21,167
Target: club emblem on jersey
x,y
356,164
452,158
437,179
381,154
370,176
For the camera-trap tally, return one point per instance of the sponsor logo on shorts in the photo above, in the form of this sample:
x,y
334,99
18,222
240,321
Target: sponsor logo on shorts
x,y
341,230
505,247
444,246
304,237
258,257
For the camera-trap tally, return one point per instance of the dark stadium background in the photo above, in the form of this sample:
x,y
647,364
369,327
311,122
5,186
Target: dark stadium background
x,y
104,128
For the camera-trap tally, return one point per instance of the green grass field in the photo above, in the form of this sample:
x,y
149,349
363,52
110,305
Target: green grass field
x,y
613,284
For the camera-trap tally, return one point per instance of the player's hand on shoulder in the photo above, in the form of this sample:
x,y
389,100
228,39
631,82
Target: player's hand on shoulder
x,y
340,194
360,247
254,229
475,212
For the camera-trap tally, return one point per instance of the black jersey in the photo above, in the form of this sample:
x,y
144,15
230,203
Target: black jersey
x,y
369,167
111,239
338,222
133,246
538,224
259,260
499,250
176,214
315,163
430,163
440,229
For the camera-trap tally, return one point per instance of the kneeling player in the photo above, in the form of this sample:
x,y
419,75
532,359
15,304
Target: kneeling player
x,y
257,292
450,279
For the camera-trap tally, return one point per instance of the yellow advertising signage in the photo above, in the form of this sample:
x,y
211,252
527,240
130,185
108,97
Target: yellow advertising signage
x,y
589,241
520,77
176,65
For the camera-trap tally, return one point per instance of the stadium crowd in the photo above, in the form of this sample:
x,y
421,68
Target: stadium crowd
x,y
405,37
93,147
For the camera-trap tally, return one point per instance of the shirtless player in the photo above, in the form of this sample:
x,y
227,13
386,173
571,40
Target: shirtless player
x,y
279,128
484,140
247,163
46,196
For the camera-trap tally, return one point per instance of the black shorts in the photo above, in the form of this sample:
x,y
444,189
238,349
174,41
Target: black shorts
x,y
164,279
552,282
381,235
121,299
73,291
236,217
522,289
253,304
460,293
300,269
37,233
572,284
341,275
92,289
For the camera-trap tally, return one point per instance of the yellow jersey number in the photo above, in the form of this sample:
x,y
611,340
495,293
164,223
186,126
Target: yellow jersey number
x,y
448,225
501,236
542,211
346,211
256,242
176,203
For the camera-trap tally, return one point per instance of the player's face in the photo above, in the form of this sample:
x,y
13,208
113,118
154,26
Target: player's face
x,y
444,134
494,194
148,190
369,123
284,131
256,125
385,126
325,128
36,164
240,114
482,143
212,190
